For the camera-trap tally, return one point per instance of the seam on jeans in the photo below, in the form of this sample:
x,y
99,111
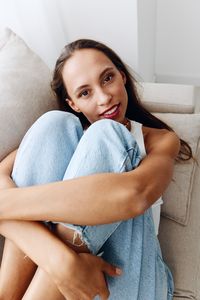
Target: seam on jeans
x,y
137,159
170,287
19,151
135,148
123,157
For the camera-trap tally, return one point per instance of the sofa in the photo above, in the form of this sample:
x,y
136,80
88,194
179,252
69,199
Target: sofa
x,y
25,95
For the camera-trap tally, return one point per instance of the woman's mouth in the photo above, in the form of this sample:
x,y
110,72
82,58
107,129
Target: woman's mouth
x,y
111,113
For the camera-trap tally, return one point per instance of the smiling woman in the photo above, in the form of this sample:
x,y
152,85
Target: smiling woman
x,y
109,176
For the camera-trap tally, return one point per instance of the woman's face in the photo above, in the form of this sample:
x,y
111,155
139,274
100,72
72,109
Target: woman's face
x,y
95,86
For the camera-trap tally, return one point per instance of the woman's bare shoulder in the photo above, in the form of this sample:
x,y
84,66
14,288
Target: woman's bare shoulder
x,y
154,137
153,131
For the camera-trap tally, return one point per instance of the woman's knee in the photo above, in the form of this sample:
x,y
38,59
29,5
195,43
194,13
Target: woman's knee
x,y
108,127
104,125
111,132
53,127
47,149
56,120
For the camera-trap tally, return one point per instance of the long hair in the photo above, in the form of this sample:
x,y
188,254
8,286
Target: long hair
x,y
135,110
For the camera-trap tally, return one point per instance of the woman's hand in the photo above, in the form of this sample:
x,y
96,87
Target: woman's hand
x,y
83,277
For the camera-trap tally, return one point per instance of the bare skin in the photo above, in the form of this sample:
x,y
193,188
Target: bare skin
x,y
15,262
83,273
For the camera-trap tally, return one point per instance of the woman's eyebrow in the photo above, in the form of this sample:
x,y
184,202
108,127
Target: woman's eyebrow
x,y
105,71
80,88
100,77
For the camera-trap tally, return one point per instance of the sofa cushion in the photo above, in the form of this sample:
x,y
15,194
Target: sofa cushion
x,y
168,98
25,91
178,195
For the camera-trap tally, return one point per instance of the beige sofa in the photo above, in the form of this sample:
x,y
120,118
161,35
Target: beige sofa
x,y
25,95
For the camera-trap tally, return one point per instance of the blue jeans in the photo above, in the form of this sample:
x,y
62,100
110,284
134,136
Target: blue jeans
x,y
56,148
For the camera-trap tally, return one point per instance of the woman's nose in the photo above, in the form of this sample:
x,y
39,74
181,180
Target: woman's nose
x,y
103,97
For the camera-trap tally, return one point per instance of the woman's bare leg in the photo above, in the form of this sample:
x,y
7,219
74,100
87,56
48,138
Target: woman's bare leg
x,y
16,272
17,281
42,287
19,269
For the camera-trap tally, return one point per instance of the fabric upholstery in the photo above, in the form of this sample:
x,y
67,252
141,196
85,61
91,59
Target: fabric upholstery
x,y
25,91
168,98
179,232
177,197
181,245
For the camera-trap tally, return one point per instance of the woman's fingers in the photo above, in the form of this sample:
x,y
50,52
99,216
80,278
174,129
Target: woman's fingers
x,y
83,277
104,294
110,269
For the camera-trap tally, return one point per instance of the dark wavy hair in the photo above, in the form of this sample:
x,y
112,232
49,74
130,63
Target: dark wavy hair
x,y
135,109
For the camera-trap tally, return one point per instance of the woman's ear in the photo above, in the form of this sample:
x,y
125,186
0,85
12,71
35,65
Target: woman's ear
x,y
72,105
123,76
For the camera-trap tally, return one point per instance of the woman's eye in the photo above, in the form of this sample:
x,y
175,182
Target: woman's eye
x,y
108,78
84,93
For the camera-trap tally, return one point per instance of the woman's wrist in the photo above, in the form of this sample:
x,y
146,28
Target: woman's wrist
x,y
60,262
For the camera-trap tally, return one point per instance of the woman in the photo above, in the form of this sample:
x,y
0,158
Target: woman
x,y
115,181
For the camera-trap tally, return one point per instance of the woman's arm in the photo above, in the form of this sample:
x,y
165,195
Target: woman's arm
x,y
46,207
99,198
156,169
6,166
74,274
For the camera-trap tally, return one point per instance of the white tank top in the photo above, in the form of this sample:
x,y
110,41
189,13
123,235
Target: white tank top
x,y
136,130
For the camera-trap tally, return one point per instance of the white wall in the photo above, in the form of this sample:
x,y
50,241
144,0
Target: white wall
x,y
128,26
38,23
47,25
178,41
110,21
159,39
146,39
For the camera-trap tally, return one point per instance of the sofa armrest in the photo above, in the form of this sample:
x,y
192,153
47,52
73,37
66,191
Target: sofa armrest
x,y
169,98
